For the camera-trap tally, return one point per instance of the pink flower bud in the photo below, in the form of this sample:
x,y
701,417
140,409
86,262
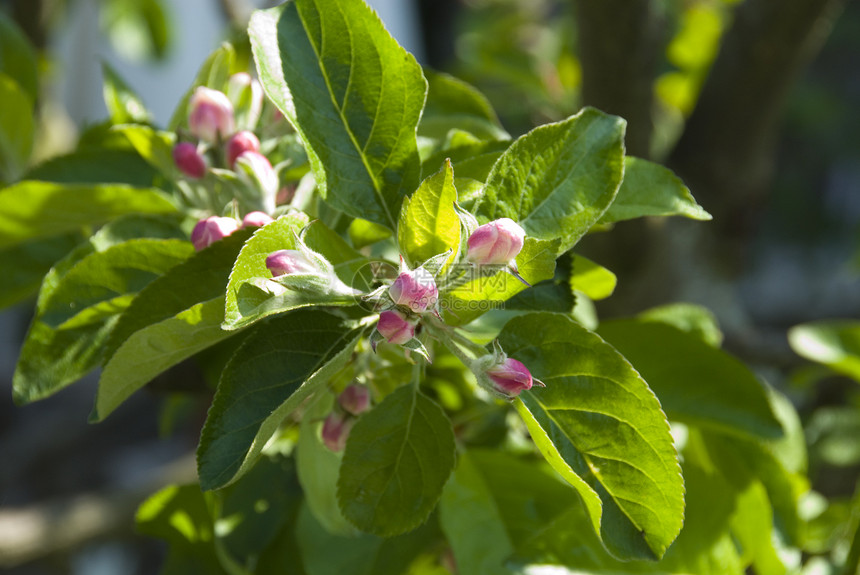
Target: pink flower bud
x,y
414,289
189,161
239,143
510,377
210,230
256,219
395,327
355,399
210,114
284,262
335,430
497,242
256,167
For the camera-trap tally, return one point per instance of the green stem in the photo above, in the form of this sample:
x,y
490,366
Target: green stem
x,y
453,341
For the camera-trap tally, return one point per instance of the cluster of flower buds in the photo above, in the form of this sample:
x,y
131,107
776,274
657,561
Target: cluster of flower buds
x,y
351,403
412,294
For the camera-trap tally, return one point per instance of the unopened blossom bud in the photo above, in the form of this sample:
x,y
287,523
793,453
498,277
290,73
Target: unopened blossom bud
x,y
355,399
497,242
414,289
335,430
395,327
510,377
212,229
210,114
189,161
240,143
256,169
256,219
284,262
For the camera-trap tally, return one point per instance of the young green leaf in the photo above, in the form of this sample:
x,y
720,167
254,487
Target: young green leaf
x,y
249,301
352,93
557,180
39,209
282,363
16,129
124,106
154,146
592,279
835,344
398,457
649,189
24,265
696,383
429,224
602,428
454,104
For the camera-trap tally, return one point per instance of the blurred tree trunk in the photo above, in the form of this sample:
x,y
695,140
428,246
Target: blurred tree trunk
x,y
620,42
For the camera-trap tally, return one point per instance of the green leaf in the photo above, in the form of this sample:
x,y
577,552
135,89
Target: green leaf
x,y
40,209
752,527
535,263
197,280
324,553
18,59
16,129
353,94
558,179
154,146
66,340
214,73
834,343
397,459
180,514
317,467
696,383
247,299
95,166
454,104
429,224
124,106
649,189
24,265
364,233
138,29
282,363
691,318
592,279
600,426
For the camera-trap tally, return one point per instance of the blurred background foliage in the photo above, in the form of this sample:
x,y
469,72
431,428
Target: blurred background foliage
x,y
777,163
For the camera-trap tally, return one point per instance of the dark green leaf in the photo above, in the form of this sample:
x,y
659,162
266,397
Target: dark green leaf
x,y
835,344
326,554
277,367
558,179
353,94
78,308
39,209
17,128
95,166
650,189
398,457
18,59
696,383
124,106
454,104
24,265
181,515
429,224
600,426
